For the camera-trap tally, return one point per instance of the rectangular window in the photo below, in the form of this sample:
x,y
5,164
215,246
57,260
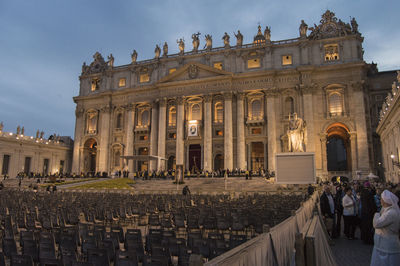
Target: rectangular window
x,y
27,165
95,84
61,170
171,70
6,164
122,82
256,131
286,60
331,52
253,63
143,137
172,135
144,78
219,133
218,65
46,166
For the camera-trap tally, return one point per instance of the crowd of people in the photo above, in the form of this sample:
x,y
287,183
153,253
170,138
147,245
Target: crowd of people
x,y
371,207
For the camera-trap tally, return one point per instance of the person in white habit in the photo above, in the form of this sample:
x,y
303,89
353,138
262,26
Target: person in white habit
x,y
387,224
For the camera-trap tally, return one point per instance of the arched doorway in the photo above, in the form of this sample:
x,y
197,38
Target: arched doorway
x,y
171,163
194,157
89,156
218,162
338,148
257,155
143,165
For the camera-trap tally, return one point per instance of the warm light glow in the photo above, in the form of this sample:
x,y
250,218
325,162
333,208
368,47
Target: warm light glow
x,y
254,63
392,156
144,78
286,60
172,70
122,82
218,65
193,121
10,134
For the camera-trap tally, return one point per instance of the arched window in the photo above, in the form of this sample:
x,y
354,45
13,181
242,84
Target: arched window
x,y
219,113
117,158
145,118
172,116
335,103
289,106
196,112
119,121
256,109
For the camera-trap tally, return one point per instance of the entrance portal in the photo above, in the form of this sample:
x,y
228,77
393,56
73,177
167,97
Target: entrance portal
x,y
89,155
218,162
257,155
338,148
194,157
143,165
171,163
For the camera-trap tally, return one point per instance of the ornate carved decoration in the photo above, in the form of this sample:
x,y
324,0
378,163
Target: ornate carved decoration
x,y
330,27
79,112
105,109
97,66
163,102
208,98
228,96
180,100
193,71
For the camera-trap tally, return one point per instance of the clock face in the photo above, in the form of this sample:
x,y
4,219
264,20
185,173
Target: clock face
x,y
330,29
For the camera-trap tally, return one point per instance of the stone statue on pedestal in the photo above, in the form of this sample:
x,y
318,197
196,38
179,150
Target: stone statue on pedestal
x,y
303,29
181,43
296,134
110,60
267,34
134,56
37,134
196,41
41,134
157,51
1,126
23,131
208,45
165,49
18,130
239,38
226,40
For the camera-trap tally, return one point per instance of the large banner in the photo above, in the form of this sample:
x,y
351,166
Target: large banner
x,y
193,130
295,168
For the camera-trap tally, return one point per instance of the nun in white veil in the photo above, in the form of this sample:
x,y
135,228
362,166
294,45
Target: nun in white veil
x,y
387,224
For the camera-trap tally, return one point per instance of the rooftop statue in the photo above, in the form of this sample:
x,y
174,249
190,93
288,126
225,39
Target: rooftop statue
x,y
157,51
398,76
330,27
181,43
134,56
354,25
196,41
1,126
110,60
267,34
226,40
37,134
239,38
41,134
18,130
85,68
296,134
165,49
23,131
303,29
208,44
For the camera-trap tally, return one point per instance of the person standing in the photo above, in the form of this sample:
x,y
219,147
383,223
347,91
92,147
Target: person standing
x,y
349,213
327,205
368,208
386,239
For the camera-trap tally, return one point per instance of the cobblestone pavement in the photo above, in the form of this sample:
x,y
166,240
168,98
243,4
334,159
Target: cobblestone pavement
x,y
352,252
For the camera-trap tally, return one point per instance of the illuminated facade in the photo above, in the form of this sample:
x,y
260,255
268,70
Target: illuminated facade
x,y
228,107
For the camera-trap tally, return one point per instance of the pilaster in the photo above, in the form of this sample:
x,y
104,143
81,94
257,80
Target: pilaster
x,y
228,136
207,142
162,133
241,144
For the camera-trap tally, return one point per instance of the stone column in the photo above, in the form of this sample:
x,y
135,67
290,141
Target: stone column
x,y
129,136
324,159
79,130
162,133
180,120
353,147
361,125
241,145
228,134
207,141
104,132
309,119
271,127
153,136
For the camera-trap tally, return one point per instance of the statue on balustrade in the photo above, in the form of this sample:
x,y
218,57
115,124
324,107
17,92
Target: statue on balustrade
x,y
134,56
296,134
303,29
18,130
196,41
157,52
1,126
181,43
226,40
165,49
208,45
239,38
267,34
110,60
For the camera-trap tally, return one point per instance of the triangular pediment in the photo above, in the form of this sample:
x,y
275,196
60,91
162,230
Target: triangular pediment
x,y
194,70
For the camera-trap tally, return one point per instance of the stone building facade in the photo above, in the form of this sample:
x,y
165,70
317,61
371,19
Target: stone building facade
x,y
389,132
229,107
28,154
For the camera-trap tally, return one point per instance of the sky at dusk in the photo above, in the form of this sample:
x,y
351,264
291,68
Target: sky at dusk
x,y
43,43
